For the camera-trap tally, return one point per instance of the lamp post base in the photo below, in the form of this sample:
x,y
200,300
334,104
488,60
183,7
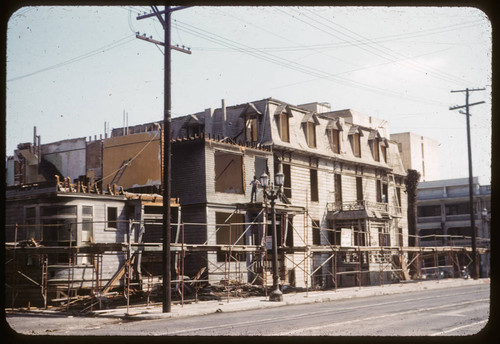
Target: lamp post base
x,y
276,295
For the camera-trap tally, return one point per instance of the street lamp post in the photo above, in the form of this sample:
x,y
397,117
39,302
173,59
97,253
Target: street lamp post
x,y
272,195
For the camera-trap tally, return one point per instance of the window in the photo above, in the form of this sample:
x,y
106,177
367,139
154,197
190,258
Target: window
x,y
314,185
335,140
289,232
316,232
356,145
287,187
260,166
284,127
112,218
194,130
359,188
338,189
230,228
87,223
251,128
429,210
87,211
384,238
58,221
311,134
229,172
375,150
400,237
379,190
457,209
385,193
383,150
30,223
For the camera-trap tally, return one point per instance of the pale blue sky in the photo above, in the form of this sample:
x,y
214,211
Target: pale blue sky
x,y
70,69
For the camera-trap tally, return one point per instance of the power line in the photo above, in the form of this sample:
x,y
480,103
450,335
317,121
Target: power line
x,y
103,49
387,53
292,64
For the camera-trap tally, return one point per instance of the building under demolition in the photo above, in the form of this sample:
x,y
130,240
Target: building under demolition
x,y
341,218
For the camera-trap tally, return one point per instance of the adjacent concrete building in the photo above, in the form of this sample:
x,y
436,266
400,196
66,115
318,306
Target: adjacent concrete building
x,y
444,214
419,153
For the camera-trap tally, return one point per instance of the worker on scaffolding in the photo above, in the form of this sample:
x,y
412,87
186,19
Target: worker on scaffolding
x,y
255,183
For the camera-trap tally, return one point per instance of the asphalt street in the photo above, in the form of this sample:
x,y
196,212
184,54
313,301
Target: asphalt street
x,y
454,311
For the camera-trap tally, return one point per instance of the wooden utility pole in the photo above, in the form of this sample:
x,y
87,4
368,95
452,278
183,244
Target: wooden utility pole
x,y
475,272
167,149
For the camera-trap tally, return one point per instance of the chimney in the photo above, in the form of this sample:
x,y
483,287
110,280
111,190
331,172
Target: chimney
x,y
208,120
224,118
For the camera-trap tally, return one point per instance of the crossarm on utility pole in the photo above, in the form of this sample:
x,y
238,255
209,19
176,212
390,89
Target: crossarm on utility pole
x,y
186,51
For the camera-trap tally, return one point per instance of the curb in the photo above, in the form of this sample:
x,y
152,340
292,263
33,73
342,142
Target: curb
x,y
295,299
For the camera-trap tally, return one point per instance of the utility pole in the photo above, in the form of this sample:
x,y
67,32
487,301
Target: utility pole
x,y
475,273
167,149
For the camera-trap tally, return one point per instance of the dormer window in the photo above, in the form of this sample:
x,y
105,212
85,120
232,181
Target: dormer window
x,y
194,130
334,131
374,141
252,117
283,114
383,149
355,134
251,128
310,122
194,126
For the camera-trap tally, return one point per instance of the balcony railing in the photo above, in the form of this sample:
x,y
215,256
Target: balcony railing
x,y
382,208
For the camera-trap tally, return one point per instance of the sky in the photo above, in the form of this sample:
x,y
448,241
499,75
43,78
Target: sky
x,y
70,70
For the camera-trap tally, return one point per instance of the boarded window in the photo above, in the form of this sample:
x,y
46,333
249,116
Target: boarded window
x,y
230,229
383,150
314,185
311,134
284,127
228,172
335,140
375,150
251,128
356,145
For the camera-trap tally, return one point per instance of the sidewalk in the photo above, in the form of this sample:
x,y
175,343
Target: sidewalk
x,y
208,307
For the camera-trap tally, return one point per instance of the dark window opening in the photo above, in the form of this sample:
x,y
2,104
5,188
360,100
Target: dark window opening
x,y
429,210
338,189
314,185
112,217
287,187
359,188
316,232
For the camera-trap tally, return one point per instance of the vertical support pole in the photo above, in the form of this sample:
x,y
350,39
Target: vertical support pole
x,y
167,294
69,266
183,254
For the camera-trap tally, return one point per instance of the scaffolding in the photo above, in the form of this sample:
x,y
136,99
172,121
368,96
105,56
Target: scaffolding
x,y
30,277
